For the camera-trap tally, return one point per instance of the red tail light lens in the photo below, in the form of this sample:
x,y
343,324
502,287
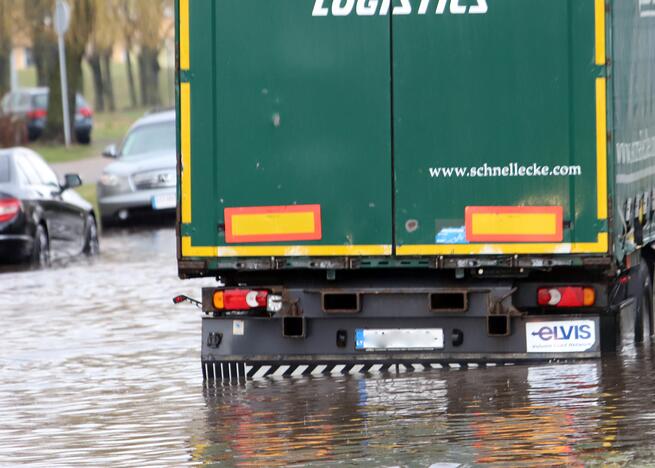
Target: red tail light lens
x,y
86,112
9,209
566,297
37,114
240,299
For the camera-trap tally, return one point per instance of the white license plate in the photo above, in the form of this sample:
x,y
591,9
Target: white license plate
x,y
398,339
164,202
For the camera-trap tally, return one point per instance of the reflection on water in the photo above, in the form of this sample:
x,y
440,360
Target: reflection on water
x,y
98,368
528,416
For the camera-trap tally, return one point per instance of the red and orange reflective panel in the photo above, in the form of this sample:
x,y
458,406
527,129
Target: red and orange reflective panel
x,y
273,224
514,224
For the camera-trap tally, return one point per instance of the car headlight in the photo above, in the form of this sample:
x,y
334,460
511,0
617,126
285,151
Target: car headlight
x,y
110,180
109,184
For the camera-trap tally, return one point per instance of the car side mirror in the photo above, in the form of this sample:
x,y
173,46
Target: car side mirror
x,y
110,152
71,181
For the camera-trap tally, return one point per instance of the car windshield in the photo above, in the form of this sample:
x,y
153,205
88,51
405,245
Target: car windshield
x,y
151,138
40,101
4,168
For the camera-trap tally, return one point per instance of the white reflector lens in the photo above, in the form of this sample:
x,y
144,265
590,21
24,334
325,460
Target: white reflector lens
x,y
251,299
274,303
555,297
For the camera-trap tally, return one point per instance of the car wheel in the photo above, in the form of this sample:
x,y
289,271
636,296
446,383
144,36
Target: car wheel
x,y
84,138
108,222
41,251
91,242
644,313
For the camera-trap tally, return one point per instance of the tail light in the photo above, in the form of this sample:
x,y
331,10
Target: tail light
x,y
246,299
9,209
86,112
37,114
566,297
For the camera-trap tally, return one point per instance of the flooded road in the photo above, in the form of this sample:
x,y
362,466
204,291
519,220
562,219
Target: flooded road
x,y
99,368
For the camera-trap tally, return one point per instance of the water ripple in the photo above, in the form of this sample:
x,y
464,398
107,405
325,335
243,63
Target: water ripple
x,y
98,368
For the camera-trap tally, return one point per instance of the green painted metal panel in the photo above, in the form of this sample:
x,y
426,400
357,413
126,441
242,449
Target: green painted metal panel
x,y
289,109
394,117
633,51
477,93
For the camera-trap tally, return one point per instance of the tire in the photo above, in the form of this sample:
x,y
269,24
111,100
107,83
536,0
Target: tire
x,y
41,252
651,318
644,316
84,138
108,222
91,241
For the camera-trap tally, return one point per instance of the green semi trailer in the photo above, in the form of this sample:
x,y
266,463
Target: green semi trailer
x,y
381,183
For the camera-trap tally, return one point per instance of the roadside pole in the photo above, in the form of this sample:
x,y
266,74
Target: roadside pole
x,y
62,21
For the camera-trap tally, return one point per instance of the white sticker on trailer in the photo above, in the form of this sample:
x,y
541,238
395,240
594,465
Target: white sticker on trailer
x,y
570,336
238,328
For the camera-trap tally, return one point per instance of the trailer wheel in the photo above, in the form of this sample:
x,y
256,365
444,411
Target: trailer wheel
x,y
650,330
644,315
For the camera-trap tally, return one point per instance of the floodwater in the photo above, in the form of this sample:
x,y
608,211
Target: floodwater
x,y
99,368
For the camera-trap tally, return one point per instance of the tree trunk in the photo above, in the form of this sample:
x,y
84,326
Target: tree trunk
x,y
130,75
54,130
143,80
5,67
41,65
149,77
154,72
108,81
98,85
44,52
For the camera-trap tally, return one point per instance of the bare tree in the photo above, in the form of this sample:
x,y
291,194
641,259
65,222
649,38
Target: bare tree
x,y
129,26
38,20
82,23
101,49
5,47
152,35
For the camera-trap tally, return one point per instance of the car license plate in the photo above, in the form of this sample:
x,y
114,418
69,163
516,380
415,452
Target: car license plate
x,y
398,339
164,202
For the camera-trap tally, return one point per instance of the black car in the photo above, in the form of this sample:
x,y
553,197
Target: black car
x,y
39,217
31,105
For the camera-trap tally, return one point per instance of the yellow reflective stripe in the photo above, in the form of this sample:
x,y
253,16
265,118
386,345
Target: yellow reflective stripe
x,y
306,251
273,223
185,61
601,52
517,224
601,246
185,142
601,146
188,250
284,251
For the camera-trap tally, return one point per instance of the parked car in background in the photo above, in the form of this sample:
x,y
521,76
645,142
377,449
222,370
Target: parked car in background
x,y
143,179
31,104
40,218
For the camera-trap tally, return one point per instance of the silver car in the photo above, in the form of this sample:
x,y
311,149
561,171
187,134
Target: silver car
x,y
143,180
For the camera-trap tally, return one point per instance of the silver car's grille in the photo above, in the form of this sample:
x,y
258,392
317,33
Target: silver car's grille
x,y
155,179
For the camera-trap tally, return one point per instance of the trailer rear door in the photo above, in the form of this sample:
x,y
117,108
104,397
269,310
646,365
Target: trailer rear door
x,y
288,120
406,127
496,113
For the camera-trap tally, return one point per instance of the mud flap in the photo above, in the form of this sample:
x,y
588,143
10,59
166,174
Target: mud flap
x,y
235,372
